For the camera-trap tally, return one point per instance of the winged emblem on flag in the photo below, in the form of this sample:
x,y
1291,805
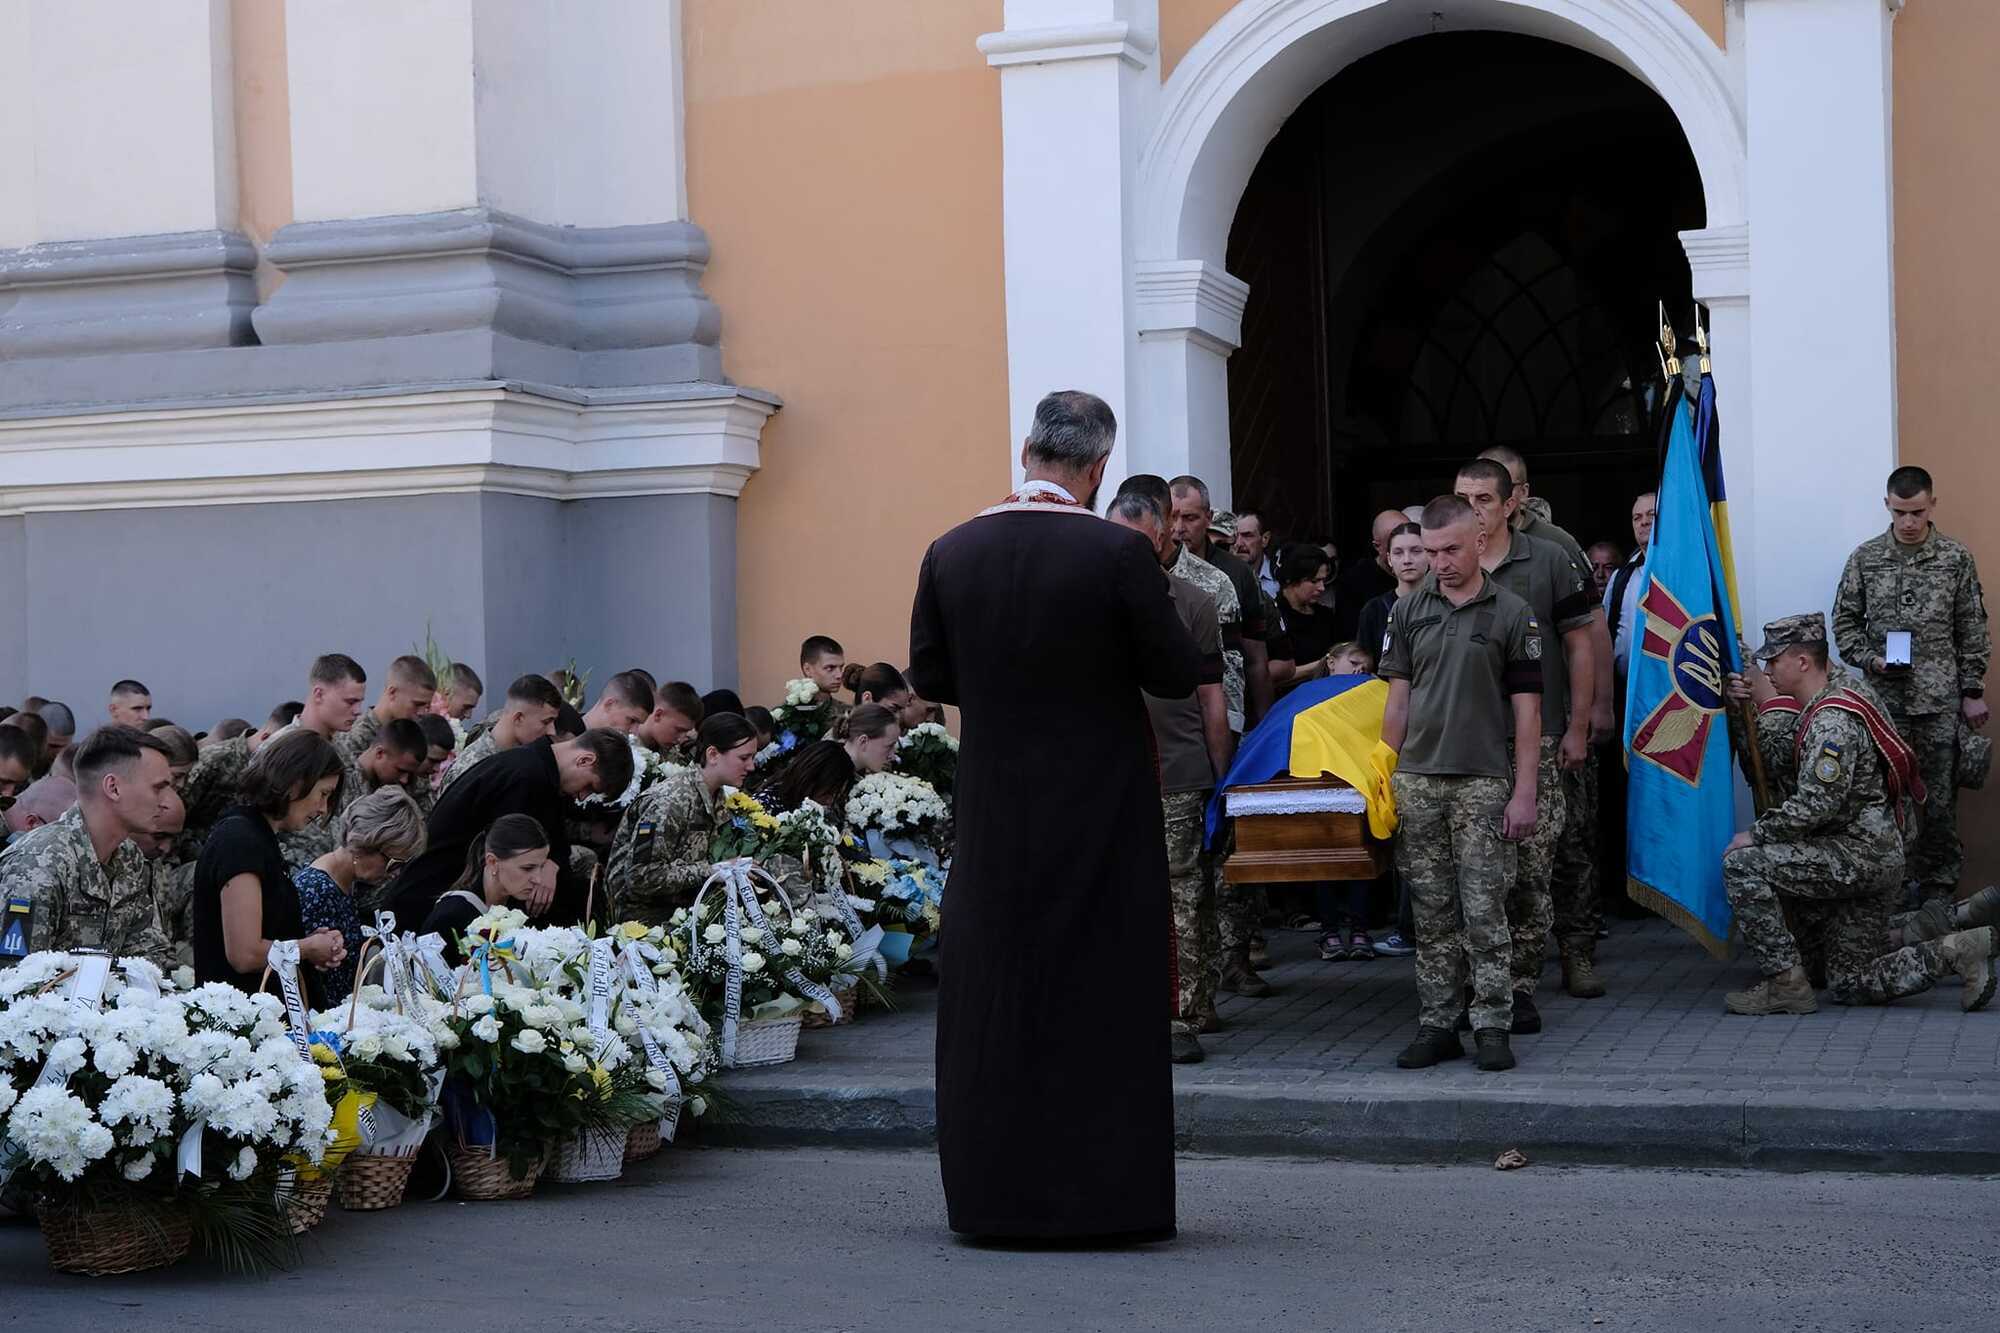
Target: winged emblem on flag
x,y
1675,735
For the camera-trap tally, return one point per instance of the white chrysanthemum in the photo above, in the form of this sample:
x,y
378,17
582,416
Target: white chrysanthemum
x,y
53,1126
66,1057
183,977
145,1103
529,1041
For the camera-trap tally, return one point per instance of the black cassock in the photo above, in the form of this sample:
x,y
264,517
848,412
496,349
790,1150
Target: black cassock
x,y
1054,1093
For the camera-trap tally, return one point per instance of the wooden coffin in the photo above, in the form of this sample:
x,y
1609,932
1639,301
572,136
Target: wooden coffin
x,y
1300,830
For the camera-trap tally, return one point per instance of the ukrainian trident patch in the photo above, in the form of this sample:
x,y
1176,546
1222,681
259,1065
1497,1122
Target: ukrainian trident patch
x,y
1675,735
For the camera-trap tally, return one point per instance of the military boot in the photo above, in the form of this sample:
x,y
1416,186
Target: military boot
x,y
1494,1054
1527,1018
1787,993
1932,921
1184,1049
1238,979
1431,1045
1580,969
1970,954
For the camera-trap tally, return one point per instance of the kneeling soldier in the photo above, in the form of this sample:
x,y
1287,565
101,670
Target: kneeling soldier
x,y
1831,854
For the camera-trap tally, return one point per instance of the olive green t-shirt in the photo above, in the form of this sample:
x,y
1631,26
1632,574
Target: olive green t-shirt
x,y
1464,664
1559,594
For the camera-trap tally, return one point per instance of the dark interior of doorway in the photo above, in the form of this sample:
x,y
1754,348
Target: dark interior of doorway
x,y
1459,241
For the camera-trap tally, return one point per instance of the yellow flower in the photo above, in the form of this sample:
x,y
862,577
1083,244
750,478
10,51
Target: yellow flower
x,y
872,872
633,930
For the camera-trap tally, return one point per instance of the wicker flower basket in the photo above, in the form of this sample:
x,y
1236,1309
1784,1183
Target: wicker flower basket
x,y
371,1181
767,1041
642,1141
589,1154
479,1173
309,1201
118,1240
849,1007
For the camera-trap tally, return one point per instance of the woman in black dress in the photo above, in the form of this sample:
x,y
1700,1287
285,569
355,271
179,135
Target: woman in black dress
x,y
243,895
508,863
1303,570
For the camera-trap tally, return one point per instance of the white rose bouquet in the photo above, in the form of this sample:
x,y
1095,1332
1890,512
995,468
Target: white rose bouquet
x,y
930,752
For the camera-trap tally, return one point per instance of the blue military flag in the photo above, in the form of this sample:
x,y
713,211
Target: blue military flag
x,y
1681,800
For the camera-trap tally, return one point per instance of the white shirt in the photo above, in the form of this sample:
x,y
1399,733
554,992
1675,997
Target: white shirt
x,y
1628,612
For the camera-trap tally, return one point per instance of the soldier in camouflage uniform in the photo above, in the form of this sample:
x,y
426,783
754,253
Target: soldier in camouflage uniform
x,y
1915,579
398,752
1830,855
527,714
1558,592
659,855
1577,914
407,693
1462,656
79,898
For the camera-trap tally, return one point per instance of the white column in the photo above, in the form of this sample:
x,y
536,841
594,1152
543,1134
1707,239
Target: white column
x,y
1824,340
1719,259
1075,81
382,107
129,110
1190,318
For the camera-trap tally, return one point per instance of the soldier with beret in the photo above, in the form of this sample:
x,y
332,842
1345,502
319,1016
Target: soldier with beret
x,y
1909,611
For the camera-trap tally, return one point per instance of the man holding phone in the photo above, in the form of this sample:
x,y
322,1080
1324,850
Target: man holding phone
x,y
1463,658
1910,612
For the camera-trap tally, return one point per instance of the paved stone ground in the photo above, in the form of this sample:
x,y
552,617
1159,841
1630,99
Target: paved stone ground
x,y
1655,1072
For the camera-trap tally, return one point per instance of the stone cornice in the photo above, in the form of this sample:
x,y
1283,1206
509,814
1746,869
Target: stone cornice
x,y
494,437
1081,41
1719,262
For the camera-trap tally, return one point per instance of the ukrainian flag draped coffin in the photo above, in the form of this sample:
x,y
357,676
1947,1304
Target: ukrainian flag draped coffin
x,y
1324,726
1680,802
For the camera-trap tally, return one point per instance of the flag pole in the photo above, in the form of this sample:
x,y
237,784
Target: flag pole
x,y
1746,713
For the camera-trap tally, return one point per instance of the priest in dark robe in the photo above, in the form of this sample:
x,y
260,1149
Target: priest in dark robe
x,y
1046,625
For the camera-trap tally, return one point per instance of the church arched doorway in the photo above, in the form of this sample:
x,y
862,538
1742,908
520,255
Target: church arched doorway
x,y
1458,241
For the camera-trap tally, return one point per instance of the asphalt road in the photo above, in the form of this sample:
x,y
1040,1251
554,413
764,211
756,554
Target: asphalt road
x,y
804,1240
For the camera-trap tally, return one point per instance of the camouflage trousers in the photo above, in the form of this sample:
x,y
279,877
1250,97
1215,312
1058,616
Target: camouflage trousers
x,y
1834,891
1573,883
1530,909
1235,906
1457,868
1911,970
1191,886
1935,856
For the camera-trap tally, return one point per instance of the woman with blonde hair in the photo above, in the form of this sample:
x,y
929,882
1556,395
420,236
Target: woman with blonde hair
x,y
378,834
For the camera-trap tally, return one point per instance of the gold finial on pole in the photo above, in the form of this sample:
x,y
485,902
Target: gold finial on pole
x,y
1701,340
1670,364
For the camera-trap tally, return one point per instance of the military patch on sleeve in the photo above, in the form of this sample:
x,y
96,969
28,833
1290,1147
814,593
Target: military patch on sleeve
x,y
1388,637
1827,768
1534,646
642,840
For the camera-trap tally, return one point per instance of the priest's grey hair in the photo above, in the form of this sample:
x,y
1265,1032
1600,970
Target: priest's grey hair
x,y
1072,429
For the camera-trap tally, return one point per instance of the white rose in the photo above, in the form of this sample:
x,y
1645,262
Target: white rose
x,y
530,1041
575,1063
751,934
800,925
478,1003
843,952
486,1029
698,1105
714,934
792,948
245,1163
753,961
626,1027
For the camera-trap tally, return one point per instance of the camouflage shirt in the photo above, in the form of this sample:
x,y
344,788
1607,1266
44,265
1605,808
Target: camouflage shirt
x,y
469,754
359,736
1832,782
659,856
80,904
210,789
1930,589
1229,613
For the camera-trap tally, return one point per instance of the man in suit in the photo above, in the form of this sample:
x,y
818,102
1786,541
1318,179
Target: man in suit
x,y
1047,627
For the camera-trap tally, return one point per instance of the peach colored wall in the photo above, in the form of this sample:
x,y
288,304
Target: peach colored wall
x,y
1947,290
263,125
1182,23
845,161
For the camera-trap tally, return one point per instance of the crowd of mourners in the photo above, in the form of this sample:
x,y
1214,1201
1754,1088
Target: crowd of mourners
x,y
143,838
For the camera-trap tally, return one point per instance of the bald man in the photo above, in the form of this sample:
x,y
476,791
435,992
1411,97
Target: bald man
x,y
1365,580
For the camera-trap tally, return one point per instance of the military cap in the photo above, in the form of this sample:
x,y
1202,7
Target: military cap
x,y
1792,632
1222,524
